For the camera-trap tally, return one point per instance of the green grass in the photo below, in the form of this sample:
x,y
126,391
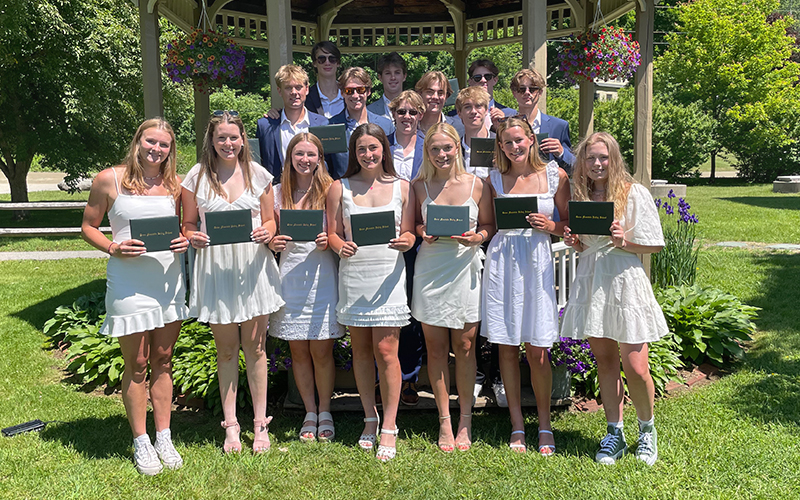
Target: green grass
x,y
725,163
736,438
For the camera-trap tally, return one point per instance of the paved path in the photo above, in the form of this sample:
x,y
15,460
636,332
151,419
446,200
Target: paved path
x,y
85,254
37,181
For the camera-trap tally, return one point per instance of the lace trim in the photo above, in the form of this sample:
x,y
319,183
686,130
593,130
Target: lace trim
x,y
304,330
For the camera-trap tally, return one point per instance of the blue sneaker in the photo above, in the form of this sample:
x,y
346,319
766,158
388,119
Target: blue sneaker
x,y
612,447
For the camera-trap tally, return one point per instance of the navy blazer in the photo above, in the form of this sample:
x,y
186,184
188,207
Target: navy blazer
x,y
268,132
379,108
337,162
313,100
559,129
418,148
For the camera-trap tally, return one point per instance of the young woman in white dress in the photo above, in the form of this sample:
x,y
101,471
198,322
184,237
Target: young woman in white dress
x,y
309,284
372,281
236,286
611,300
447,291
519,298
145,294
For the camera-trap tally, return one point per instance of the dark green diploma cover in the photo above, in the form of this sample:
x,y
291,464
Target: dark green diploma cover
x,y
332,137
591,217
156,232
447,220
229,226
301,225
481,152
541,137
511,213
375,228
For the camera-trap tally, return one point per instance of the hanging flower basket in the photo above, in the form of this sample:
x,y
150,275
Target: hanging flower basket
x,y
604,55
205,59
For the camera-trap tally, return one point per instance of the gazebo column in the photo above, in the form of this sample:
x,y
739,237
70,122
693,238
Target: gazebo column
x,y
586,92
643,96
534,40
201,103
279,26
151,59
457,12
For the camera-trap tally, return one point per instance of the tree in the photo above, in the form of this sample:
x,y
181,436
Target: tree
x,y
736,65
70,85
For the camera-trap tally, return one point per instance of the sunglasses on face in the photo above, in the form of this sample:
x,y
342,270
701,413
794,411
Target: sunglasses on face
x,y
221,112
404,112
522,89
485,76
353,90
330,59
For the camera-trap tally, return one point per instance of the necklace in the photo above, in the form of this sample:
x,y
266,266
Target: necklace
x,y
301,191
151,178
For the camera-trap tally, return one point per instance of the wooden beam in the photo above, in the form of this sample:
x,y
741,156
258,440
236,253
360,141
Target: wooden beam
x,y
151,60
326,13
279,36
534,41
586,94
151,6
643,97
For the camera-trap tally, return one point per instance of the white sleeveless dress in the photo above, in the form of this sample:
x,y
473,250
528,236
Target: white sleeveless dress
x,y
148,291
372,283
447,276
519,296
309,282
611,296
237,282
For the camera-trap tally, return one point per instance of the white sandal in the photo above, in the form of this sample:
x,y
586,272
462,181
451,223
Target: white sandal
x,y
325,415
368,441
386,453
543,451
309,429
518,447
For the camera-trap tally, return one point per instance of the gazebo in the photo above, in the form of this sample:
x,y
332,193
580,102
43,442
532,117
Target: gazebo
x,y
358,26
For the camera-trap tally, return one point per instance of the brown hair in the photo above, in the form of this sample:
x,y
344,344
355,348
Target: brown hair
x,y
208,158
391,59
531,74
356,73
133,178
619,179
503,163
426,169
353,167
486,63
319,183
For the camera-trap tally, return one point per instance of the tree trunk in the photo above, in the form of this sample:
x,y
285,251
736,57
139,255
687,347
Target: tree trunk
x,y
713,167
18,183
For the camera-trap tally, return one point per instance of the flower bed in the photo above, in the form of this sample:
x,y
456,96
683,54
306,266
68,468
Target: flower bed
x,y
205,59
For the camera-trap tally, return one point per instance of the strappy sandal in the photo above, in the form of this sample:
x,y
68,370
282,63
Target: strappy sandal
x,y
368,441
465,446
262,445
546,450
518,447
231,446
386,453
309,429
326,415
445,447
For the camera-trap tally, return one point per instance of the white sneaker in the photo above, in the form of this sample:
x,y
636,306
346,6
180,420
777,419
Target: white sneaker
x,y
166,451
500,394
145,456
476,392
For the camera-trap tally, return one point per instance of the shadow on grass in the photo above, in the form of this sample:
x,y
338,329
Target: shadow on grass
x,y
788,202
37,314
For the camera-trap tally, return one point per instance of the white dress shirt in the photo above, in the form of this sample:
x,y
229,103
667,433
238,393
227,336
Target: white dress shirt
x,y
331,107
288,131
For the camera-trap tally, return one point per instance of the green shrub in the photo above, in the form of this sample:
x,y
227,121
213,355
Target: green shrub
x,y
665,362
676,263
706,323
86,310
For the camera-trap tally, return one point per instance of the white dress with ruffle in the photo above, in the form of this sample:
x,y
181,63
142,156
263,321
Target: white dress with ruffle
x,y
236,282
611,296
447,277
148,291
372,283
309,282
519,297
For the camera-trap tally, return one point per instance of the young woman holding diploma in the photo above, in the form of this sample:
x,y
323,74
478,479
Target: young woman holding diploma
x,y
145,295
519,298
611,300
447,291
309,285
372,281
236,286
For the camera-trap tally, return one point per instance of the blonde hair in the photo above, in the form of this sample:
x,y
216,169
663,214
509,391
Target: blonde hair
x,y
531,74
433,76
427,171
619,180
289,72
319,183
477,95
503,163
208,158
410,96
133,178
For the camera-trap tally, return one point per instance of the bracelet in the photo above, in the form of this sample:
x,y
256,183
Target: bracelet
x,y
339,253
108,250
483,238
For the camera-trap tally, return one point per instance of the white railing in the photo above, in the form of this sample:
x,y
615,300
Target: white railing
x,y
565,261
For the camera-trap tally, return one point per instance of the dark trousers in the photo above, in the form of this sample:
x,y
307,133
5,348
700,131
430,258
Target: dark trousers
x,y
412,341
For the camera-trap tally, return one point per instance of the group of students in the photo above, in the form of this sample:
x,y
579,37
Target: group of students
x,y
325,285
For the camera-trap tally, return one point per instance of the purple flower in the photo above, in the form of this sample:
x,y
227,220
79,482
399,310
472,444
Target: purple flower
x,y
669,209
671,194
658,202
287,363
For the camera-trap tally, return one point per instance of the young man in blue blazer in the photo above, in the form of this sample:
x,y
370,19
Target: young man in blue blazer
x,y
483,73
392,72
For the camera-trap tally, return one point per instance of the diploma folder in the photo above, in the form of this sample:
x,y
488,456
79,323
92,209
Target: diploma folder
x,y
447,220
155,232
376,228
229,226
512,213
591,217
301,225
481,152
332,137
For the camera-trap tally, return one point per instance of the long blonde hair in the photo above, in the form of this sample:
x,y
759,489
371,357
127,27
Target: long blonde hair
x,y
503,163
426,170
209,157
619,179
133,178
315,200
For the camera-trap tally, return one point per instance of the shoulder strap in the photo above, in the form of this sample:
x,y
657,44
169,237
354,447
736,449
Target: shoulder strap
x,y
472,189
116,184
426,189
